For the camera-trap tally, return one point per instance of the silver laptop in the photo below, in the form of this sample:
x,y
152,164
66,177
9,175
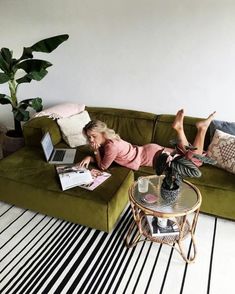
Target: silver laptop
x,y
56,155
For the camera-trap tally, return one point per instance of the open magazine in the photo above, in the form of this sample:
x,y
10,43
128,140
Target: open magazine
x,y
72,176
156,230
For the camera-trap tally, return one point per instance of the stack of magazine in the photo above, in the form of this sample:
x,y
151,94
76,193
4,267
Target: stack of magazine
x,y
171,228
72,176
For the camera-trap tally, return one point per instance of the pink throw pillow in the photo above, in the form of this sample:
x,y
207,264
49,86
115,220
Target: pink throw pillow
x,y
61,110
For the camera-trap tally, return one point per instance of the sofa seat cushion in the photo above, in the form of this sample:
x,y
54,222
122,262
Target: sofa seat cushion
x,y
217,187
212,177
215,177
28,181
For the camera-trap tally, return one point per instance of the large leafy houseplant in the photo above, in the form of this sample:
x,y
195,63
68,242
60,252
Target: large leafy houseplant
x,y
32,69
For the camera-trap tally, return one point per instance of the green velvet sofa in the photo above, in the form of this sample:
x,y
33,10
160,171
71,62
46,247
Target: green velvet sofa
x,y
26,180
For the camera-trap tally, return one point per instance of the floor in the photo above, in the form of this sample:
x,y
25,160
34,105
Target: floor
x,y
41,254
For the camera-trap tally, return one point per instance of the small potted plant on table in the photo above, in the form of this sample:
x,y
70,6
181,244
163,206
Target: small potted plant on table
x,y
175,166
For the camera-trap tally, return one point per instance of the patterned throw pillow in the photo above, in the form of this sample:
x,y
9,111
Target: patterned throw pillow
x,y
222,149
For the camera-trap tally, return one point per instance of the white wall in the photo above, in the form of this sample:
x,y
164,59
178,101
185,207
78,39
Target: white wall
x,y
150,55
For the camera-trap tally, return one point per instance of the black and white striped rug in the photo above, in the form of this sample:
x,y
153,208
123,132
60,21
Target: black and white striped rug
x,y
41,254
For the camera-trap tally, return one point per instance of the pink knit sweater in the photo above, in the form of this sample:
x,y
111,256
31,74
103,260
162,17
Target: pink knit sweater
x,y
127,155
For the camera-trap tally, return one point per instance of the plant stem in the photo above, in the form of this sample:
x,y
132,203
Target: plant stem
x,y
18,128
14,103
13,89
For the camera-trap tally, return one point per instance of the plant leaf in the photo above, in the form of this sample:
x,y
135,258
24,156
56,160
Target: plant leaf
x,y
4,99
4,78
6,60
23,105
34,75
3,65
169,181
33,65
24,79
190,147
174,142
38,75
49,44
160,163
35,103
27,53
21,114
205,159
7,55
185,168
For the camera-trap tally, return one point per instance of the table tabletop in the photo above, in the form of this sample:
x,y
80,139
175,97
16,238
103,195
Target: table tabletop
x,y
189,199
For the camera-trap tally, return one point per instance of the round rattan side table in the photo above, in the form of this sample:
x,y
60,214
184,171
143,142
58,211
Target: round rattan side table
x,y
184,212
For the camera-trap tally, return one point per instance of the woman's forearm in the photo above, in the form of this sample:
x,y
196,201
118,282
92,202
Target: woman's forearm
x,y
98,158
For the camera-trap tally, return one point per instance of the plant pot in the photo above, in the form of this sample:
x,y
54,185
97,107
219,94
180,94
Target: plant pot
x,y
170,195
11,143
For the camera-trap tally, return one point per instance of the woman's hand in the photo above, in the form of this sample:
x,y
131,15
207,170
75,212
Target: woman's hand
x,y
94,146
85,162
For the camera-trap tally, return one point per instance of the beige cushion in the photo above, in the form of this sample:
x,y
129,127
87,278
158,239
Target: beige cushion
x,y
71,128
222,149
61,110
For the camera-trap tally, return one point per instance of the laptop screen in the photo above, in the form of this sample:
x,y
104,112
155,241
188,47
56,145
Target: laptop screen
x,y
47,145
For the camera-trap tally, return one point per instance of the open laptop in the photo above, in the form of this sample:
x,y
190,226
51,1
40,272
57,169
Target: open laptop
x,y
56,155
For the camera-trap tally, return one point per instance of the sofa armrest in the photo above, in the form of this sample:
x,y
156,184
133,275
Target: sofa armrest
x,y
35,128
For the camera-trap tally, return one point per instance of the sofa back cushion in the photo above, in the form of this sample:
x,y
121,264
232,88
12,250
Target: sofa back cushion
x,y
135,127
35,128
163,131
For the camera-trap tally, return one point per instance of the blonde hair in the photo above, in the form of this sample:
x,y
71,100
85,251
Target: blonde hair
x,y
100,127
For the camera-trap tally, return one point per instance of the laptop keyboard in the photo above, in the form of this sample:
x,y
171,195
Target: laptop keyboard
x,y
59,155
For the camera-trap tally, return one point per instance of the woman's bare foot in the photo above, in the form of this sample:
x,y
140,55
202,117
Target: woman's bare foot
x,y
204,124
179,120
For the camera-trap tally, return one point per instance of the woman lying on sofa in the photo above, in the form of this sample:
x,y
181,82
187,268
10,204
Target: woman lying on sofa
x,y
108,147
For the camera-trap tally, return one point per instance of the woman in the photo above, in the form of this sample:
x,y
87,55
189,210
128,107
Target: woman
x,y
108,147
